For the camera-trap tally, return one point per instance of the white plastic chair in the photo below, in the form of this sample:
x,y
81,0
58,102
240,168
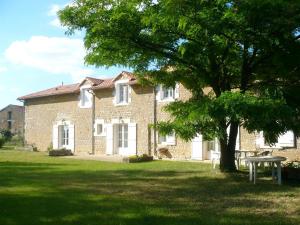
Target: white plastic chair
x,y
215,157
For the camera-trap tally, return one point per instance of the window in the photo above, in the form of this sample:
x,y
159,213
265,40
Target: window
x,y
284,141
162,139
9,115
169,139
122,93
63,135
211,145
167,93
123,135
99,128
85,97
9,125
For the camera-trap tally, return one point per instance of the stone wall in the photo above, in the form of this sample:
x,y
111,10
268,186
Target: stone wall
x,y
182,149
43,113
17,119
139,110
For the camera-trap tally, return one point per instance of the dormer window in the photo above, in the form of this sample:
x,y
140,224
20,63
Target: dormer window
x,y
122,92
165,94
168,93
85,97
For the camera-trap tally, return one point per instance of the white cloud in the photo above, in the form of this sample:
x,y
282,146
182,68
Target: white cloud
x,y
53,10
55,55
3,69
53,14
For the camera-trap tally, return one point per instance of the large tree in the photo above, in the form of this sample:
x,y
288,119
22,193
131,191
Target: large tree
x,y
246,51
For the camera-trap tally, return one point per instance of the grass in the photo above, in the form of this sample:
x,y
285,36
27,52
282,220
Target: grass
x,y
37,189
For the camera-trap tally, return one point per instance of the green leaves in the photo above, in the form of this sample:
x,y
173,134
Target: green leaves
x,y
246,51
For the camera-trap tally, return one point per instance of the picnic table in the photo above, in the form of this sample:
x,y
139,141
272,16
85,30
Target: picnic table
x,y
243,154
272,160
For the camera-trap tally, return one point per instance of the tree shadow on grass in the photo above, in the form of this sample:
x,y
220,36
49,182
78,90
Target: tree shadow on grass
x,y
35,193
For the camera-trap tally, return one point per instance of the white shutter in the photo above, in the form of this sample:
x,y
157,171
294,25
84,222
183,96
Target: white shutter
x,y
109,139
117,97
55,137
71,137
89,97
237,142
287,139
132,139
158,92
176,89
129,93
171,140
95,129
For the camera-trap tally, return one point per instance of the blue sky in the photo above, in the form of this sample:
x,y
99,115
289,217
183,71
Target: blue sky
x,y
35,53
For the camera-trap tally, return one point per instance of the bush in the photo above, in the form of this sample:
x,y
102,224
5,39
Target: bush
x,y
139,158
6,134
50,147
16,140
60,152
2,141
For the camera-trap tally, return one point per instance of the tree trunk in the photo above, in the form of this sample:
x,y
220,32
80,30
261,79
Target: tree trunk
x,y
227,161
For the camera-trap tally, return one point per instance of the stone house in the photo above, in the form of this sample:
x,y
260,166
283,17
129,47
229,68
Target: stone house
x,y
113,116
12,118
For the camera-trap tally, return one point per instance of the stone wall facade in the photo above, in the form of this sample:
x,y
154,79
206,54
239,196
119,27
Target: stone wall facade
x,y
12,118
139,111
42,113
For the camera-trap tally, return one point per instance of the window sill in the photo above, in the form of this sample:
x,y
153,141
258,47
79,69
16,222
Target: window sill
x,y
271,147
122,104
165,144
85,107
100,135
167,100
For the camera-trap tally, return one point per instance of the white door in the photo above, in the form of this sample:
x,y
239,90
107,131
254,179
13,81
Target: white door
x,y
122,138
109,139
197,148
63,134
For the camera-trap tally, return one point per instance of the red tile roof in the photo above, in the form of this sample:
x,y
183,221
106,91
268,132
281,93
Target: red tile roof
x,y
107,83
75,88
59,90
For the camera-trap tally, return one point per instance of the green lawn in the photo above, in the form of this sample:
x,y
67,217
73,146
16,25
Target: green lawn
x,y
37,189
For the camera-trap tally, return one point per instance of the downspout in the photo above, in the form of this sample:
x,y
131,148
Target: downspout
x,y
154,121
23,123
93,121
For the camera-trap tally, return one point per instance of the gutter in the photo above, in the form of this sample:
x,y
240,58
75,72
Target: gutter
x,y
154,121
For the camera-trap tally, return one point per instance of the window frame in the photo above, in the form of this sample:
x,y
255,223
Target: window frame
x,y
120,90
167,94
170,139
261,142
123,135
84,93
99,122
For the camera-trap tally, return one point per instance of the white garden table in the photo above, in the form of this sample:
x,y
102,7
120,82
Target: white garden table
x,y
255,160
